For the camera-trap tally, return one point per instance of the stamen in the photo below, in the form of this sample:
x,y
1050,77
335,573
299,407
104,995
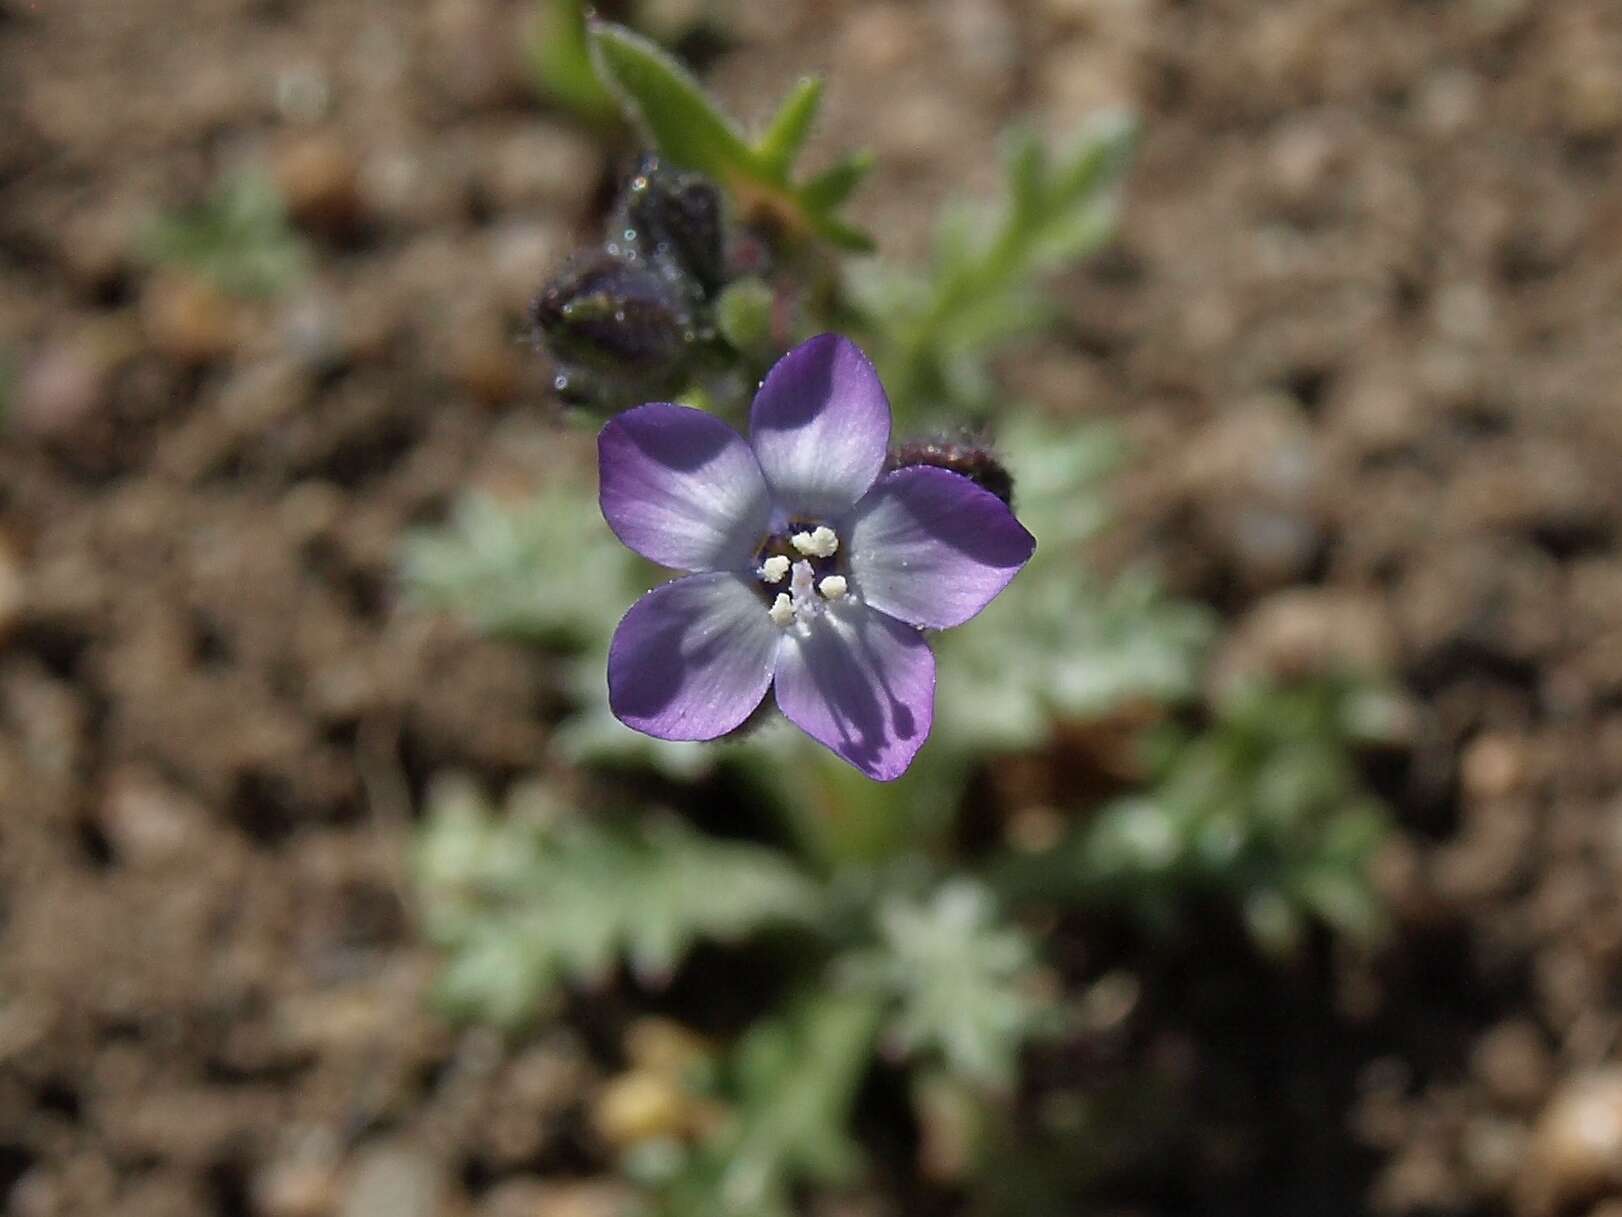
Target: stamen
x,y
833,587
774,568
782,610
802,584
820,542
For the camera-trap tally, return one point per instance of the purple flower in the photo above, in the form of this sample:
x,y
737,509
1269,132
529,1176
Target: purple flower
x,y
814,570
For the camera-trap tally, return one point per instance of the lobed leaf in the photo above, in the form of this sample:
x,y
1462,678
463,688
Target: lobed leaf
x,y
785,136
1264,806
960,981
540,570
1060,643
526,902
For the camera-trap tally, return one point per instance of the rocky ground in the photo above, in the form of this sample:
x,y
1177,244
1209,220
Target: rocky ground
x,y
1362,324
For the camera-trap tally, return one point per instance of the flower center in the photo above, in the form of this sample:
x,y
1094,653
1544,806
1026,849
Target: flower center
x,y
806,556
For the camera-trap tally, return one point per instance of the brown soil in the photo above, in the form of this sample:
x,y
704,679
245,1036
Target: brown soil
x,y
1363,322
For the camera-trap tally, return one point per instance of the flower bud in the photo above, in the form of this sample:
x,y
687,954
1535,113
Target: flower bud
x,y
745,313
672,217
617,318
974,461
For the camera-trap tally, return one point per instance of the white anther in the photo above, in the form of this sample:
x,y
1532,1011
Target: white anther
x,y
820,542
782,610
833,587
774,569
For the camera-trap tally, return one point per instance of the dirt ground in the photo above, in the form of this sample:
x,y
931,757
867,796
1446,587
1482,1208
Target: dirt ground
x,y
1364,324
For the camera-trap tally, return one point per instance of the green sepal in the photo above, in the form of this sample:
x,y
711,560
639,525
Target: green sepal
x,y
743,313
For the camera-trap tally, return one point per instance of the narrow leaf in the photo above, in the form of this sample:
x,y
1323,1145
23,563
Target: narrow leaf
x,y
522,903
788,131
683,122
1027,175
844,236
560,56
1074,235
835,184
1100,159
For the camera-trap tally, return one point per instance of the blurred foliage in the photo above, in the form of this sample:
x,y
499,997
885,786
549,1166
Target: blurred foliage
x,y
744,316
1263,807
534,897
239,239
963,982
1060,643
932,330
540,571
525,901
789,1085
548,571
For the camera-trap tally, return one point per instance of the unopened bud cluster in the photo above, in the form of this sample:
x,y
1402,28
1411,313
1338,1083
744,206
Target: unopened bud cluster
x,y
634,317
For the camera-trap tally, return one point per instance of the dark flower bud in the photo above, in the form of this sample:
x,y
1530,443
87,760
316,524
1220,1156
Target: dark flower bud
x,y
974,461
669,216
614,316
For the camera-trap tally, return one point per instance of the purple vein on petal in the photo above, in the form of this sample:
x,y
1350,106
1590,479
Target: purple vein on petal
x,y
681,487
932,548
820,426
863,685
692,659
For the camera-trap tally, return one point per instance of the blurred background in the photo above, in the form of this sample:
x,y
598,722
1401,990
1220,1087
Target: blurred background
x,y
1356,354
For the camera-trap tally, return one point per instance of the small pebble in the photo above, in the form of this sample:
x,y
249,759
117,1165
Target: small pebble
x,y
1493,766
1514,1063
318,178
1575,1154
188,319
1304,632
61,388
639,1106
394,1180
663,1046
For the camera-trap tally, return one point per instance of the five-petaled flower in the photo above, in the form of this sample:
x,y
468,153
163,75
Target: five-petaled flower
x,y
813,569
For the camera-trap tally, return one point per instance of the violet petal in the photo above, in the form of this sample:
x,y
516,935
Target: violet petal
x,y
862,684
932,548
820,426
681,487
692,659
